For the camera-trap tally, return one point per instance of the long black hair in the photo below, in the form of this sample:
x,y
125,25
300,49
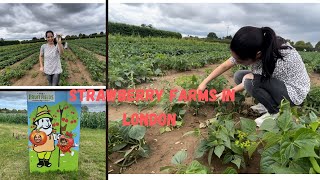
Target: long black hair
x,y
54,39
248,41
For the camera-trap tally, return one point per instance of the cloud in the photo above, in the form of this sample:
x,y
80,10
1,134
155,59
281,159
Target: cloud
x,y
13,100
24,21
292,21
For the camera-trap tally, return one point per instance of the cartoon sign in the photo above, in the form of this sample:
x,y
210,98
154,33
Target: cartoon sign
x,y
54,131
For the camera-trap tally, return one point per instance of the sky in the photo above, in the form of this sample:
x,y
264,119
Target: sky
x,y
291,21
18,100
25,21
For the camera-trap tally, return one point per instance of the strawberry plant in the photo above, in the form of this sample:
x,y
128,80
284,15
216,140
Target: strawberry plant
x,y
291,144
128,140
172,107
227,140
179,168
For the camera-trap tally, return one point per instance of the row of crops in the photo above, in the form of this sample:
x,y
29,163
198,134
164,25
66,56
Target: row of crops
x,y
88,119
85,50
96,67
133,60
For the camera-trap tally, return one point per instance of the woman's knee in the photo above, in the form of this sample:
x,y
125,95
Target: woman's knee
x,y
238,76
248,86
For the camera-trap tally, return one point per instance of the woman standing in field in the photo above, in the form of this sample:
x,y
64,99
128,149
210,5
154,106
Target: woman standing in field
x,y
277,70
50,58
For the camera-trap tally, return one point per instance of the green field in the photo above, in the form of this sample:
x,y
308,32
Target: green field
x,y
134,60
14,159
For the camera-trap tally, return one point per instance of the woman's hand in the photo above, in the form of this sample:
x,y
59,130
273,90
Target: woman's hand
x,y
59,38
202,87
41,69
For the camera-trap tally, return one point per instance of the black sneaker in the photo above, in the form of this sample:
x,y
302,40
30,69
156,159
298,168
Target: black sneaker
x,y
40,163
47,163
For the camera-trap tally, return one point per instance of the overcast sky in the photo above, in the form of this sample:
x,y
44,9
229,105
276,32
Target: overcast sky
x,y
25,21
18,100
291,21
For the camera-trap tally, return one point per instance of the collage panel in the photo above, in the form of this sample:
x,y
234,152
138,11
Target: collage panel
x,y
213,88
46,44
52,134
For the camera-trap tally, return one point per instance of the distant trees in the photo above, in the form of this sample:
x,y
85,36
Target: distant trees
x,y
212,35
302,46
317,46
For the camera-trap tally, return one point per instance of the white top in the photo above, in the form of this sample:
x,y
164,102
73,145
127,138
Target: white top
x,y
52,63
292,71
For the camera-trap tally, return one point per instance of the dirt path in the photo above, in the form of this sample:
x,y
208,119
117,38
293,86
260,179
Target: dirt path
x,y
164,146
78,74
101,58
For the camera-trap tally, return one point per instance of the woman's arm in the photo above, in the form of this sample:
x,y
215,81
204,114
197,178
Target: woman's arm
x,y
215,73
40,61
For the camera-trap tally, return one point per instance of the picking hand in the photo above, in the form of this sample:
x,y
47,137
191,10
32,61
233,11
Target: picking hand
x,y
202,87
41,69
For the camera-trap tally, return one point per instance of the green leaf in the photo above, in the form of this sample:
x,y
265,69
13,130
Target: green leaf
x,y
314,126
306,151
118,83
283,170
313,117
178,123
251,149
196,133
271,139
247,125
227,158
182,112
269,125
166,168
162,130
201,149
168,129
284,121
230,170
287,150
268,159
305,137
219,150
196,168
237,161
119,146
144,151
236,149
179,157
137,132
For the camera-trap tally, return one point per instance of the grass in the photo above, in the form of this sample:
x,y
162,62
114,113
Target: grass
x,y
14,155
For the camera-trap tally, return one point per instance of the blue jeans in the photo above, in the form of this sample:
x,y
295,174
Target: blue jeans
x,y
53,79
269,93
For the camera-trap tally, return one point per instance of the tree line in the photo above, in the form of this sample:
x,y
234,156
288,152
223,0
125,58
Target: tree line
x,y
4,42
299,45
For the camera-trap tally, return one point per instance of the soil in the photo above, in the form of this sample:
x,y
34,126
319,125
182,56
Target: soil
x,y
101,58
79,74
